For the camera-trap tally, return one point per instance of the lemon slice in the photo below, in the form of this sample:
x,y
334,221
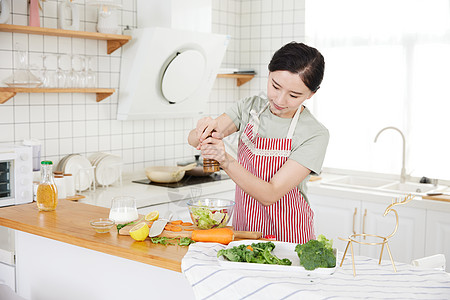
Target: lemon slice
x,y
139,232
152,216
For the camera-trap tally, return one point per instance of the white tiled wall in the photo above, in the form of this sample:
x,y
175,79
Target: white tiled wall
x,y
76,123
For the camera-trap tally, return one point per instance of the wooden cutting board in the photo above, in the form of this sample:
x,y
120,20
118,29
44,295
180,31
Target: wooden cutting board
x,y
187,232
438,198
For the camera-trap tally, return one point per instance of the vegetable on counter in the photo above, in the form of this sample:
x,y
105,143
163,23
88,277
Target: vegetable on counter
x,y
316,253
215,235
260,253
120,226
182,241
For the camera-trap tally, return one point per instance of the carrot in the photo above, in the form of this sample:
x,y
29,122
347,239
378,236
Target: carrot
x,y
216,235
176,222
186,224
168,227
188,229
176,228
249,248
150,223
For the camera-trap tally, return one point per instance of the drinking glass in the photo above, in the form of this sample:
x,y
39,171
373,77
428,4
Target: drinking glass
x,y
123,209
91,77
77,73
61,72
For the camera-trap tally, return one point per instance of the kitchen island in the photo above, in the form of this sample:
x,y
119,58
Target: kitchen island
x,y
59,256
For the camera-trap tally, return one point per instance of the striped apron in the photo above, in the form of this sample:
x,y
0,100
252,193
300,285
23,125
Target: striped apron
x,y
290,219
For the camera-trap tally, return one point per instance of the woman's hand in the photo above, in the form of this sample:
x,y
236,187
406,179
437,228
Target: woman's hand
x,y
218,128
214,148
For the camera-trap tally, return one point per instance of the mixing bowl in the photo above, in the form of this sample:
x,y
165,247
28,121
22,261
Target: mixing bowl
x,y
207,213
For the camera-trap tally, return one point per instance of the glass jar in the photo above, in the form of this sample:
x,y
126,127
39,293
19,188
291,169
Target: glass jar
x,y
47,193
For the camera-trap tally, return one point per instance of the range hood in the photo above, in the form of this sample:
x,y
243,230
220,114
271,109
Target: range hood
x,y
168,72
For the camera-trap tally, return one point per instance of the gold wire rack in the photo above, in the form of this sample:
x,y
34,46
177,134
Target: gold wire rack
x,y
383,240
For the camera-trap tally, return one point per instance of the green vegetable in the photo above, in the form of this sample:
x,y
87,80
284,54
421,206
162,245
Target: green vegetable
x,y
205,218
185,241
259,253
120,226
182,241
161,240
316,253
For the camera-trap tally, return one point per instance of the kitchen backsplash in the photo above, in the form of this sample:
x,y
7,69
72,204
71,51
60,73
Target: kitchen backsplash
x,y
76,123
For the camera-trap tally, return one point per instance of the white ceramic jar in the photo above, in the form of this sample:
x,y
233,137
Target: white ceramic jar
x,y
61,186
70,185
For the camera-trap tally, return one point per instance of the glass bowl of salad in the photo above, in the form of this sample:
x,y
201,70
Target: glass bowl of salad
x,y
207,213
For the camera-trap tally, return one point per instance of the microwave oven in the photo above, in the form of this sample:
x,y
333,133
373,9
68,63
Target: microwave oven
x,y
16,175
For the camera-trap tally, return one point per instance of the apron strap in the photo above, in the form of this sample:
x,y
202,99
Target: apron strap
x,y
294,123
255,120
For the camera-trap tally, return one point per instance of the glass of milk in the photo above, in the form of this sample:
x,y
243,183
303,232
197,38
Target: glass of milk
x,y
123,209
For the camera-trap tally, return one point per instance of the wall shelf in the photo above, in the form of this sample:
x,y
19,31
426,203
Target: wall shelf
x,y
7,93
240,78
114,41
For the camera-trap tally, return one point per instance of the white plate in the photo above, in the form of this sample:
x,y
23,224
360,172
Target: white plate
x,y
79,166
282,250
107,169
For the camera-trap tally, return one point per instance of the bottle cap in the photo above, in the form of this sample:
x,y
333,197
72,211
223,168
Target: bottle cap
x,y
46,162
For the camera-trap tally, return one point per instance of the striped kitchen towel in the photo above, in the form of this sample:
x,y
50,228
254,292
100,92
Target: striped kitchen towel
x,y
210,280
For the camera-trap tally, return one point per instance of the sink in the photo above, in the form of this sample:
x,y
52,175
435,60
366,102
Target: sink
x,y
409,187
358,182
381,185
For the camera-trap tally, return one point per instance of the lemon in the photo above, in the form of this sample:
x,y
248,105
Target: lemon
x,y
152,216
139,232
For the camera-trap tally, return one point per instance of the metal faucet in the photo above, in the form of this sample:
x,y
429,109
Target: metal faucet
x,y
403,172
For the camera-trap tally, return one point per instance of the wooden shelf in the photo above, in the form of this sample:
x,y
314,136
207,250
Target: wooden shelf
x,y
7,93
240,78
114,41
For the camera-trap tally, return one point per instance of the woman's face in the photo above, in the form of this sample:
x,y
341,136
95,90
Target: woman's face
x,y
286,92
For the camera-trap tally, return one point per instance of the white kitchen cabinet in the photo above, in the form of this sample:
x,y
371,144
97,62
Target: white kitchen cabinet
x,y
8,275
407,243
338,217
438,235
335,217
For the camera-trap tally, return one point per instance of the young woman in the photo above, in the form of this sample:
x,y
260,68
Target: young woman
x,y
280,145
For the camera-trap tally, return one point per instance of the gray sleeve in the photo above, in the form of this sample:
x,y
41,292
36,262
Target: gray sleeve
x,y
239,111
311,153
235,113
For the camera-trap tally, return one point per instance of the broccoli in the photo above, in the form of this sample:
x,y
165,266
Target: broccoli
x,y
316,253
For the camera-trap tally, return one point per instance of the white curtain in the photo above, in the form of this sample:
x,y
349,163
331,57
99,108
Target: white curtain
x,y
387,63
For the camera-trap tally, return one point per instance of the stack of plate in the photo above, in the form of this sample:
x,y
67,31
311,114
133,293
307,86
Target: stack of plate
x,y
80,167
108,167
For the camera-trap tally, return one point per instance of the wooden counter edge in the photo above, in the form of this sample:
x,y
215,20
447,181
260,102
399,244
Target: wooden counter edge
x,y
149,259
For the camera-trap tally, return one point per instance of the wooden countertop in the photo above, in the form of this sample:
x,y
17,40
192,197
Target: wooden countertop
x,y
69,223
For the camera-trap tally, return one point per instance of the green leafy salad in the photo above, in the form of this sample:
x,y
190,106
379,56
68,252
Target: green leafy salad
x,y
316,253
312,255
205,218
260,253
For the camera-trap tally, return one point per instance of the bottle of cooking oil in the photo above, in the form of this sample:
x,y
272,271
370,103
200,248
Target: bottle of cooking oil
x,y
47,193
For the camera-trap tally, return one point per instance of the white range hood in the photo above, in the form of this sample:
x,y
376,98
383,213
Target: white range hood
x,y
168,72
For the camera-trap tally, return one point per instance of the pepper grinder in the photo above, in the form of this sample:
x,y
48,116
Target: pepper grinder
x,y
210,165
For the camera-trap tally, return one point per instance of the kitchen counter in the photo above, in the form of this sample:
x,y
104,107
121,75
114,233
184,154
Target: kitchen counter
x,y
69,223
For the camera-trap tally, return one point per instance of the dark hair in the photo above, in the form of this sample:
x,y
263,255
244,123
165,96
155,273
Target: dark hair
x,y
300,59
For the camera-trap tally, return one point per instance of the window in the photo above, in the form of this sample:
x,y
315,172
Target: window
x,y
387,64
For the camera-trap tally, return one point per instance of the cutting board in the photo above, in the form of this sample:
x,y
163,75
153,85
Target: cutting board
x,y
187,232
438,198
